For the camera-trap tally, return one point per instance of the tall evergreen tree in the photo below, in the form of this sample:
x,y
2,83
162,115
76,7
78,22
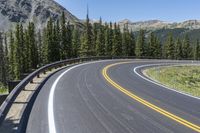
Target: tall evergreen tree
x,y
178,50
196,51
125,40
154,47
151,45
11,56
6,46
64,41
108,33
140,44
100,46
17,54
75,42
45,47
22,49
50,41
39,45
186,48
28,60
87,47
131,49
117,41
56,44
33,46
2,62
169,47
107,40
58,38
69,41
95,28
6,56
110,38
158,49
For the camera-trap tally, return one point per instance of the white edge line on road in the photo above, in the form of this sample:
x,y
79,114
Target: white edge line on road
x,y
159,84
51,120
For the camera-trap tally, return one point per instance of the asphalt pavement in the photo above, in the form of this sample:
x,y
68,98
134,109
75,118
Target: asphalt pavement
x,y
85,102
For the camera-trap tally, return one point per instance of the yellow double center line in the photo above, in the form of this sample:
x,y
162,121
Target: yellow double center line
x,y
146,103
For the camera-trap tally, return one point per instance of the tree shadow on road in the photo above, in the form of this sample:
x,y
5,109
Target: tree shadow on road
x,y
9,125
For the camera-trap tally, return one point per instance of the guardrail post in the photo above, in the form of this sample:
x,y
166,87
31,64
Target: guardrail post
x,y
38,76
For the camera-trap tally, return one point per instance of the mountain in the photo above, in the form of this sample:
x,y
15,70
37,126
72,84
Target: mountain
x,y
147,25
193,34
153,25
37,11
162,29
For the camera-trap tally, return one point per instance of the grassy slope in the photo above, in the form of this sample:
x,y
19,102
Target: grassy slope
x,y
182,78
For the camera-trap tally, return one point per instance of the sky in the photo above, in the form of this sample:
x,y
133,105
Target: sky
x,y
134,10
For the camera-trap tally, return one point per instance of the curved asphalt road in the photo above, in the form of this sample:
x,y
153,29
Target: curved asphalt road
x,y
85,102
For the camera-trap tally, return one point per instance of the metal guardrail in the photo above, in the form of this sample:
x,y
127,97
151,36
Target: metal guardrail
x,y
2,98
15,92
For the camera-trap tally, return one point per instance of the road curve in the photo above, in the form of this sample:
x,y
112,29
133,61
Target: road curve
x,y
105,97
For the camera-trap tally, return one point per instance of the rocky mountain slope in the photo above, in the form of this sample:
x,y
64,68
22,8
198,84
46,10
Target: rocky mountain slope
x,y
157,25
38,11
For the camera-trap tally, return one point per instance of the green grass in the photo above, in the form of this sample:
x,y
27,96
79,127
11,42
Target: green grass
x,y
181,78
3,89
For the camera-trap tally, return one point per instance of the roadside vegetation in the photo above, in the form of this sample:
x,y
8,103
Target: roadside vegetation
x,y
27,48
182,78
3,89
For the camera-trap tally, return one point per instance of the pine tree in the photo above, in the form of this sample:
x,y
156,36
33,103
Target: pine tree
x,y
117,41
107,40
169,47
95,28
2,62
87,48
33,46
58,38
151,45
6,56
22,49
17,54
196,51
125,41
45,47
39,45
64,42
11,56
186,48
158,49
28,60
131,50
69,41
55,51
100,47
108,37
178,50
128,42
6,47
154,47
75,43
140,44
50,41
